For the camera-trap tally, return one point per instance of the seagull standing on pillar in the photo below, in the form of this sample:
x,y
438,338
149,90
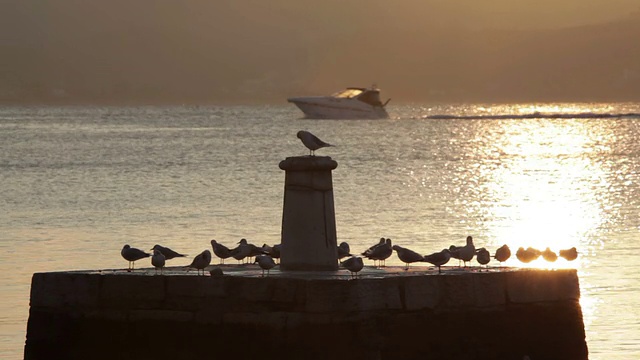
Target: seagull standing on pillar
x,y
311,141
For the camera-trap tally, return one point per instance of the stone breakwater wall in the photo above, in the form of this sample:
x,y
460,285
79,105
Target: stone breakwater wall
x,y
466,315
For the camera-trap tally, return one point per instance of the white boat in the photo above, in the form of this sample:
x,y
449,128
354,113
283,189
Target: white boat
x,y
350,103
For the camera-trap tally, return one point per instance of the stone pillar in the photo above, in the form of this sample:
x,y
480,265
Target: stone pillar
x,y
308,216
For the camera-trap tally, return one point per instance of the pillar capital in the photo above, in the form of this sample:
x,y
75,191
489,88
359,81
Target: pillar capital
x,y
308,163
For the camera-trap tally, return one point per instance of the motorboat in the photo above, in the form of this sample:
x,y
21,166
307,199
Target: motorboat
x,y
350,103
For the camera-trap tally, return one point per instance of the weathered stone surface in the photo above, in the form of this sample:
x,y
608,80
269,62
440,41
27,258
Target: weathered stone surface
x,y
542,285
160,315
308,215
421,292
489,290
341,296
65,289
308,163
132,291
457,292
407,315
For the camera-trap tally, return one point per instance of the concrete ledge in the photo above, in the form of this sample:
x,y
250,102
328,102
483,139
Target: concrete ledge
x,y
386,314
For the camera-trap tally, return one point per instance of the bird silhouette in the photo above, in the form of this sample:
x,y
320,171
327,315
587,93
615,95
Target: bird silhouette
x,y
464,253
201,261
220,251
265,262
311,141
343,250
256,250
273,251
527,255
549,255
407,256
483,256
132,255
438,259
569,254
168,253
158,260
380,253
354,264
503,253
242,251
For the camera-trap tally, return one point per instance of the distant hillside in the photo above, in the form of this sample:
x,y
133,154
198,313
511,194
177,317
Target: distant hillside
x,y
166,51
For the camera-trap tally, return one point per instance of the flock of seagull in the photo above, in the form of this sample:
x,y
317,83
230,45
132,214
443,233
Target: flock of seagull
x,y
267,256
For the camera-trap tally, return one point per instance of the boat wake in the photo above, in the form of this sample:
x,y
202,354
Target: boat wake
x,y
535,115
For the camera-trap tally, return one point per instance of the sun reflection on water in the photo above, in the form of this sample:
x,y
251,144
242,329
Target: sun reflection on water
x,y
547,192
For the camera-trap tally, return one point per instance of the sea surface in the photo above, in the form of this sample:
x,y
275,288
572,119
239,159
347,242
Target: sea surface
x,y
77,183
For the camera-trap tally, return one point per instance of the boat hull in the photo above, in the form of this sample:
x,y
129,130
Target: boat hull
x,y
333,108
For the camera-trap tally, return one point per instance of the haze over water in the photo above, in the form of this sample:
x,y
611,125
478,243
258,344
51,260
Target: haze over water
x,y
80,182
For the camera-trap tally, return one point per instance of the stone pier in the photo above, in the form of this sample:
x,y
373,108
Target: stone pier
x,y
386,314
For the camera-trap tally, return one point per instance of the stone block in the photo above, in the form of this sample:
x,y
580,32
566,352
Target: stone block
x,y
457,291
490,290
251,289
289,293
195,286
62,289
529,286
421,292
355,295
132,291
160,315
211,315
269,320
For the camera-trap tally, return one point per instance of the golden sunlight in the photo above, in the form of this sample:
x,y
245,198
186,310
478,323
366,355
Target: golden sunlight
x,y
545,189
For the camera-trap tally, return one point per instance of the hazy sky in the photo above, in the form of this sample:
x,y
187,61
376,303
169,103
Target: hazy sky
x,y
167,50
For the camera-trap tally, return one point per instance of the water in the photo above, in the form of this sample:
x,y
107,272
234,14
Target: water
x,y
79,182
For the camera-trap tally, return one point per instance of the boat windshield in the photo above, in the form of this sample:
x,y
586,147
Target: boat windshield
x,y
348,93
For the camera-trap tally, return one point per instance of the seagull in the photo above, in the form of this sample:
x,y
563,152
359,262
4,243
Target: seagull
x,y
343,250
549,255
242,251
256,250
220,251
381,253
273,251
265,262
569,254
168,253
354,264
158,260
464,253
483,256
201,261
407,256
311,141
368,252
528,255
503,253
132,255
438,259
